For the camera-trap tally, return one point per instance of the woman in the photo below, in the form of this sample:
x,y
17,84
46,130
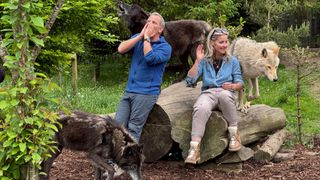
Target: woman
x,y
221,76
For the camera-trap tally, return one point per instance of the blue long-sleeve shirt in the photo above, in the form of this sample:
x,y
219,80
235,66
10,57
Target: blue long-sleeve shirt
x,y
229,72
146,71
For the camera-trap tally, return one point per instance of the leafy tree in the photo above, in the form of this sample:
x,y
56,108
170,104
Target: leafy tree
x,y
79,24
27,103
287,39
209,11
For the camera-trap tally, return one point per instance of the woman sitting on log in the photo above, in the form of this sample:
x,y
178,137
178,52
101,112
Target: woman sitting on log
x,y
221,76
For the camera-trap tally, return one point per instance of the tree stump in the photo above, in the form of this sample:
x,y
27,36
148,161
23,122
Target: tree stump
x,y
177,103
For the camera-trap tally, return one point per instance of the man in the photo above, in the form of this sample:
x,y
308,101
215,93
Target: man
x,y
150,53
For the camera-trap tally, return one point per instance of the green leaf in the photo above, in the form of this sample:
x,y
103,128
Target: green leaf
x,y
22,147
37,21
12,7
41,30
5,167
3,104
20,45
41,75
36,157
7,143
29,120
26,5
52,127
23,90
5,178
14,102
6,30
37,41
33,82
27,158
4,4
16,174
6,42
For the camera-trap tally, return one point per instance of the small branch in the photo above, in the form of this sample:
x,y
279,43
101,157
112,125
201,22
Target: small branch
x,y
3,51
49,24
305,75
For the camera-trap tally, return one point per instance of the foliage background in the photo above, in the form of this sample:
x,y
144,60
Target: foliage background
x,y
91,30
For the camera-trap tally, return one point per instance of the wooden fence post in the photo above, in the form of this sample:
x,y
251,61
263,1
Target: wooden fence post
x,y
74,67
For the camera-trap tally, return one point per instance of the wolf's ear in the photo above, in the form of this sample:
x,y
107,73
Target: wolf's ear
x,y
276,51
264,52
117,139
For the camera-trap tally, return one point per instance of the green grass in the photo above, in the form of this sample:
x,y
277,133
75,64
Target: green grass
x,y
283,94
104,96
101,97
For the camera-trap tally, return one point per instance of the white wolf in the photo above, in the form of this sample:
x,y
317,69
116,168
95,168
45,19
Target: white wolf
x,y
256,59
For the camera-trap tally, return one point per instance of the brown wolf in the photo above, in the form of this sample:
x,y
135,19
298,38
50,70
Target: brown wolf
x,y
256,59
183,35
103,141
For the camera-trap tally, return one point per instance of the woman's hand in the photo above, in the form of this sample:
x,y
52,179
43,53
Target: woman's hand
x,y
199,53
228,86
232,86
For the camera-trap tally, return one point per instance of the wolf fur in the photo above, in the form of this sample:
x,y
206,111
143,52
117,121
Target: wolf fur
x,y
104,142
256,59
183,35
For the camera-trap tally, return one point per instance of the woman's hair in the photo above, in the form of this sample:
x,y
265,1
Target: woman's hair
x,y
212,36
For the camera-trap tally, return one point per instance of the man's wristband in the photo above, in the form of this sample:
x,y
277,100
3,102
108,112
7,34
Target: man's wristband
x,y
146,38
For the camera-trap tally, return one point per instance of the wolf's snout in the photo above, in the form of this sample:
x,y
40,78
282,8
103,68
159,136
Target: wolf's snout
x,y
274,80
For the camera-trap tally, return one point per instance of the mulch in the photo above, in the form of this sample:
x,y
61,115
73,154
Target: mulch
x,y
72,165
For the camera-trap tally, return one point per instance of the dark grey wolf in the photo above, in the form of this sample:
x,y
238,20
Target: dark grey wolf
x,y
2,74
183,35
104,142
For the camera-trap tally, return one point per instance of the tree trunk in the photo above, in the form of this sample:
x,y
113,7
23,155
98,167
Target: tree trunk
x,y
177,102
29,172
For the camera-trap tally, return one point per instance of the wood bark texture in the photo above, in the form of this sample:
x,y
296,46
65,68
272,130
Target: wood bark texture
x,y
271,146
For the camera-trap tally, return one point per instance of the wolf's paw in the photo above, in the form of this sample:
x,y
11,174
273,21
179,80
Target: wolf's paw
x,y
250,98
243,109
247,104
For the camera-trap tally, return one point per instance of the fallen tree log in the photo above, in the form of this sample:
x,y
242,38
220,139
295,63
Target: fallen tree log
x,y
279,157
271,146
156,136
177,102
